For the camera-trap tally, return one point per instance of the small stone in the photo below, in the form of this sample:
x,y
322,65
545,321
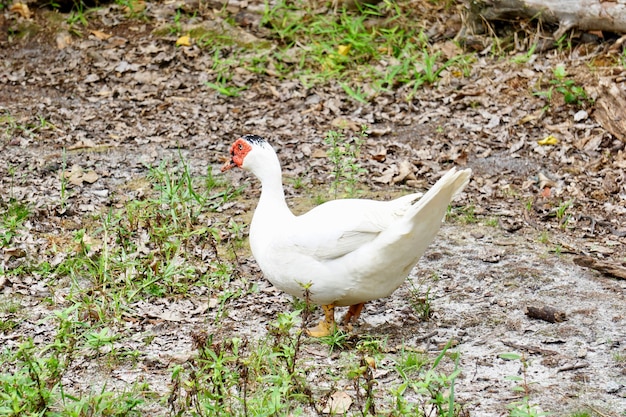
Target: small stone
x,y
494,122
100,193
92,78
612,387
581,115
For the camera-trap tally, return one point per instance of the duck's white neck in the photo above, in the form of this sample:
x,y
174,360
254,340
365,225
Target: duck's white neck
x,y
272,190
266,167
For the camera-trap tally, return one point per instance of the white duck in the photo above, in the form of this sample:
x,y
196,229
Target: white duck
x,y
343,252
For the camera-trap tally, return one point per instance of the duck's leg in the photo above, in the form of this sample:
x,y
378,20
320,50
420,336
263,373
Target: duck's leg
x,y
327,325
353,313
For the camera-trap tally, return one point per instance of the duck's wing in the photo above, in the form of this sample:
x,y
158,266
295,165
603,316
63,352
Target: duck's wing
x,y
339,227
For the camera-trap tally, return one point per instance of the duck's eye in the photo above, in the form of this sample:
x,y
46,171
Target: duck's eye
x,y
240,147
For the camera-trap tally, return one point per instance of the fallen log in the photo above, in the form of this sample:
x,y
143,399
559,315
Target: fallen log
x,y
585,15
609,268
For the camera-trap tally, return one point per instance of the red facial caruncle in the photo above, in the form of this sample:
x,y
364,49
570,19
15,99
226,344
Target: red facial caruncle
x,y
238,152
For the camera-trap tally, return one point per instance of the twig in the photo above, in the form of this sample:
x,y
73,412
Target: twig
x,y
592,222
598,412
530,349
426,336
572,367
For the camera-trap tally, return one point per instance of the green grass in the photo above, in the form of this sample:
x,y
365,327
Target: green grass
x,y
572,93
491,222
13,214
436,387
562,214
348,48
338,340
420,298
524,406
34,385
409,363
525,57
465,214
134,9
366,52
583,413
137,253
269,377
12,127
78,15
344,154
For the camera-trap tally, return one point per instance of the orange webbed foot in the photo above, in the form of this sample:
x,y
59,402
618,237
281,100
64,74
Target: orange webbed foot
x,y
327,326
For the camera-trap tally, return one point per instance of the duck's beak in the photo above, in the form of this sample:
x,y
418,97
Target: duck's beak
x,y
228,165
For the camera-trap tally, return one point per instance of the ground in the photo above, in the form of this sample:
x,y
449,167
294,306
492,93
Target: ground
x,y
87,111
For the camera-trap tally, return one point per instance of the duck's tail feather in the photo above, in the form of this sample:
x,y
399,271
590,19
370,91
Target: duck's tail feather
x,y
434,203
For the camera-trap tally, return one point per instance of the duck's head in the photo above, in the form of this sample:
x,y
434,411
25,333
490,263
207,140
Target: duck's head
x,y
247,151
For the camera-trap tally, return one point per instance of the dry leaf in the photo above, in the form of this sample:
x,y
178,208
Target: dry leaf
x,y
76,175
548,140
338,403
91,78
405,171
184,40
517,145
380,153
343,49
544,181
371,362
82,144
387,175
13,252
461,158
100,35
93,244
90,177
21,9
597,33
581,115
343,123
319,153
63,40
117,41
620,160
530,117
168,315
609,107
450,49
135,7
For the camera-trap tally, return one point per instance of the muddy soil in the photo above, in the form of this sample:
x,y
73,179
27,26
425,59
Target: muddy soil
x,y
117,103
